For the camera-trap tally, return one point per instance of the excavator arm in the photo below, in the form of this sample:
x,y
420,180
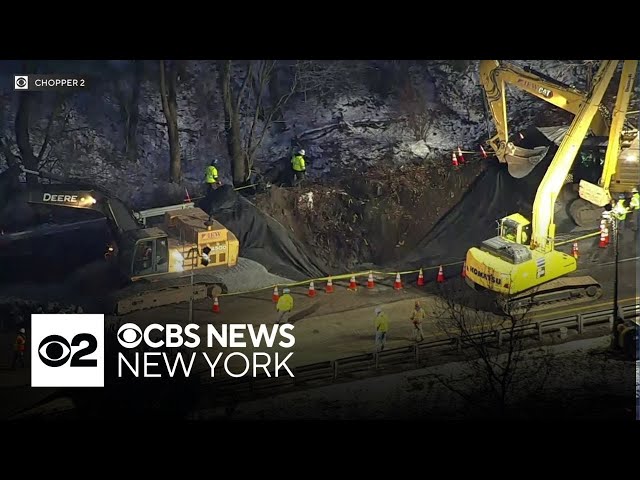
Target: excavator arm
x,y
543,228
599,194
494,77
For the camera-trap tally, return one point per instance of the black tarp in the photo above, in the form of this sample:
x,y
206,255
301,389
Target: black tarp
x,y
493,195
261,237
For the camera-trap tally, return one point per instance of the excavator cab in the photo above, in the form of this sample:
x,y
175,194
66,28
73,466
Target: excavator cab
x,y
515,228
146,253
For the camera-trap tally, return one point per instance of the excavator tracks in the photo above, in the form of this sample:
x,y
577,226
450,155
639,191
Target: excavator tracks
x,y
556,293
143,294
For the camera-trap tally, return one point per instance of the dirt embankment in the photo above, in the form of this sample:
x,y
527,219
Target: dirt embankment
x,y
372,216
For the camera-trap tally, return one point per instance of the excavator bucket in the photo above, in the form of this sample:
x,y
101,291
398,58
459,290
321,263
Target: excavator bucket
x,y
521,161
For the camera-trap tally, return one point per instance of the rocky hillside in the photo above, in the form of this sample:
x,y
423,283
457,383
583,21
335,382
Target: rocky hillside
x,y
346,114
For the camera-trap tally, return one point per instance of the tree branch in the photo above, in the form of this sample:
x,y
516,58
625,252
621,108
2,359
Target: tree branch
x,y
244,85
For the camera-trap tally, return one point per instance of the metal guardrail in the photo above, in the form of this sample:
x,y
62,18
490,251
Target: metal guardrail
x,y
412,356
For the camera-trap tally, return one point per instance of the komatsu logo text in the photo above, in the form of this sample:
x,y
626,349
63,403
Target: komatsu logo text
x,y
486,276
48,197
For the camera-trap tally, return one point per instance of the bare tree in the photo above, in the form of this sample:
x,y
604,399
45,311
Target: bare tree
x,y
30,159
493,348
168,95
250,110
128,93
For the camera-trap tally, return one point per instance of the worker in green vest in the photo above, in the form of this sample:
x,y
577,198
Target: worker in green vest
x,y
620,211
211,175
299,167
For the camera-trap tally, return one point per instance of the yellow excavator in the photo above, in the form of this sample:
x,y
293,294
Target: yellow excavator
x,y
621,171
157,262
521,265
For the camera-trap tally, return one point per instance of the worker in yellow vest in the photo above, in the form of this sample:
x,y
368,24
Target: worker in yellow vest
x,y
19,347
620,211
211,175
634,207
284,306
299,167
382,327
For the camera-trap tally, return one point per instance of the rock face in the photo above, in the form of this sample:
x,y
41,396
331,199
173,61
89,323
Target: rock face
x,y
344,114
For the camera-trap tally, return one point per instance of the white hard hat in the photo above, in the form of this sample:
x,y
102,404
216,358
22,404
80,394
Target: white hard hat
x,y
378,310
301,151
634,190
286,290
22,330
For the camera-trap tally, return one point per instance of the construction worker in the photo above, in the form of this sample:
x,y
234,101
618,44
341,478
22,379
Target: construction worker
x,y
284,306
634,207
382,327
299,167
211,175
18,349
417,317
619,211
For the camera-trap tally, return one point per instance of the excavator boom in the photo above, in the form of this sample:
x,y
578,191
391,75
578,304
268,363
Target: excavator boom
x,y
494,77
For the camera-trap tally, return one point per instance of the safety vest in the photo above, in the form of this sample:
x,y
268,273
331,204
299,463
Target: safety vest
x,y
297,162
21,340
634,204
620,211
211,174
382,322
418,316
285,303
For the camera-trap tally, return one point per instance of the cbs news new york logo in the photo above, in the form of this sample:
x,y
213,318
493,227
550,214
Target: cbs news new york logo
x,y
67,350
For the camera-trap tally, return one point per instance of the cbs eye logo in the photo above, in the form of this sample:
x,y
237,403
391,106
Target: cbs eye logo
x,y
129,335
21,82
55,351
67,350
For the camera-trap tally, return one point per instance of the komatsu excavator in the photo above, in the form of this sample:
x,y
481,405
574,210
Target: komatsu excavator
x,y
157,263
521,265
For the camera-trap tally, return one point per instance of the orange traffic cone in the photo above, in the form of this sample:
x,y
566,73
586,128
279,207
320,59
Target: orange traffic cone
x,y
398,283
603,238
329,287
606,236
187,199
312,290
352,283
420,278
440,277
216,305
276,296
484,154
454,160
464,269
370,283
460,157
574,250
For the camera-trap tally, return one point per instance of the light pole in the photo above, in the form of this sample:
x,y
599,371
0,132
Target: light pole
x,y
617,320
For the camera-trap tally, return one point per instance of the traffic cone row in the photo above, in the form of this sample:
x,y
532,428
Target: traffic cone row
x,y
574,250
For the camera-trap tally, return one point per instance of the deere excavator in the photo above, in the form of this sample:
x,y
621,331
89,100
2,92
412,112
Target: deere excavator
x,y
521,265
621,171
157,262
